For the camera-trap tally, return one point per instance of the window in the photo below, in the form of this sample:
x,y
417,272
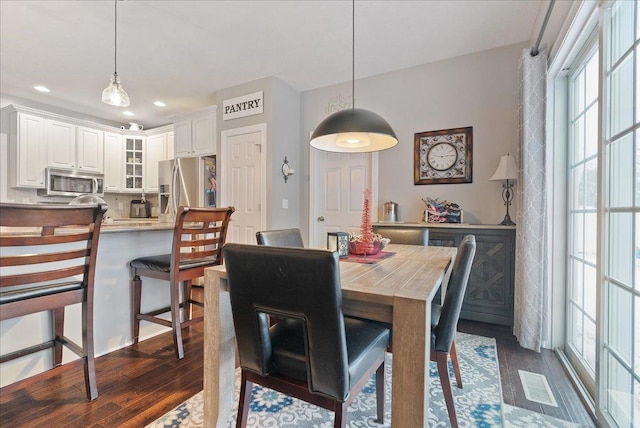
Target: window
x,y
582,212
619,393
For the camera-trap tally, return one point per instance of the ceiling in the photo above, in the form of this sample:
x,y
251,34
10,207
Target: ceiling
x,y
182,52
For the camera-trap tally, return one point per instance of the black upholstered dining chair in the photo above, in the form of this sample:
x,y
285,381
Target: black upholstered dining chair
x,y
280,238
198,237
314,353
404,235
57,246
444,322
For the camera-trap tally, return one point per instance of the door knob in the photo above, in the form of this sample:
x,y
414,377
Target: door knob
x,y
321,218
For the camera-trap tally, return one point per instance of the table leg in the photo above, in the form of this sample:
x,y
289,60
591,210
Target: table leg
x,y
410,375
219,351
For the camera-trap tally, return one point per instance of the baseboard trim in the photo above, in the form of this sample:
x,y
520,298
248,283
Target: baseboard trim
x,y
582,391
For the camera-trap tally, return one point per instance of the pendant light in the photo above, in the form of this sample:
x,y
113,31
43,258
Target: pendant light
x,y
353,130
114,94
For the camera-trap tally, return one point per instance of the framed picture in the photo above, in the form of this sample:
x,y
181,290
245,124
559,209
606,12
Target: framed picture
x,y
443,157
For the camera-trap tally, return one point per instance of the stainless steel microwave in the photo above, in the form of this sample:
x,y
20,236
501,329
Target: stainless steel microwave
x,y
66,182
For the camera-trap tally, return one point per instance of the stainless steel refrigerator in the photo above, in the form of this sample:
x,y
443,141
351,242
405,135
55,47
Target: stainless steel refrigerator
x,y
186,182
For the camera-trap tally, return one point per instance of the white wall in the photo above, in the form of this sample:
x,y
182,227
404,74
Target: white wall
x,y
478,90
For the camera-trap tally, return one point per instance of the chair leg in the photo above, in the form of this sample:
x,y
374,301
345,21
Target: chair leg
x,y
340,412
187,299
443,371
91,385
137,296
175,318
456,365
380,385
244,402
58,332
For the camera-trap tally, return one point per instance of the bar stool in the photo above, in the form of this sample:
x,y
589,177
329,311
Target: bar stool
x,y
61,270
198,238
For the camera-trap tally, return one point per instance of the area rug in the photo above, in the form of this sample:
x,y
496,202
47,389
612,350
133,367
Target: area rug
x,y
479,404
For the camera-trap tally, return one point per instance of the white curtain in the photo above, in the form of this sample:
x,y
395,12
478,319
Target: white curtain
x,y
530,194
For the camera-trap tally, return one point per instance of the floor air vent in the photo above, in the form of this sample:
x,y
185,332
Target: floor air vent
x,y
536,388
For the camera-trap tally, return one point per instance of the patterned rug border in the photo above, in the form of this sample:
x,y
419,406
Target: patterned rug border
x,y
479,404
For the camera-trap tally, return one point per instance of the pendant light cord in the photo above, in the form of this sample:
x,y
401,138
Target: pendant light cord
x,y
353,54
115,41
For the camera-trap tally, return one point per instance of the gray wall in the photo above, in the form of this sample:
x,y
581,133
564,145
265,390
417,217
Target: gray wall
x,y
478,90
282,115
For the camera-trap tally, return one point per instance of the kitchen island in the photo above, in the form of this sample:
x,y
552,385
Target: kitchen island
x,y
120,242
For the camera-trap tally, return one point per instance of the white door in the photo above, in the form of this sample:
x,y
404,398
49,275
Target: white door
x,y
242,170
337,192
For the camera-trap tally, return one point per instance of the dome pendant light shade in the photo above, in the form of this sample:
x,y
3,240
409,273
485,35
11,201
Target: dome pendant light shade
x,y
115,94
353,131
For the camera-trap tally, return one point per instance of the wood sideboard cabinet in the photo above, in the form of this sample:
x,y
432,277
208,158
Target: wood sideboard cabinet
x,y
489,295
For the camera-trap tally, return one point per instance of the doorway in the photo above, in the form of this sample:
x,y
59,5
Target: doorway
x,y
338,181
243,185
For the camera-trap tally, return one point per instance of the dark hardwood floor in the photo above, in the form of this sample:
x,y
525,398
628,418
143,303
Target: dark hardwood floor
x,y
512,357
140,383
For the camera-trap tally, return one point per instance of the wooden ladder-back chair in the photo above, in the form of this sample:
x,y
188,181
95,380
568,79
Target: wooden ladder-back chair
x,y
48,262
314,354
198,238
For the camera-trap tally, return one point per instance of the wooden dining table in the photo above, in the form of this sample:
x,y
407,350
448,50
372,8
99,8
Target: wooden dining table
x,y
397,289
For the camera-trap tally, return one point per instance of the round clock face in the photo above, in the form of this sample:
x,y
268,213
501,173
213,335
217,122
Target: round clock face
x,y
442,156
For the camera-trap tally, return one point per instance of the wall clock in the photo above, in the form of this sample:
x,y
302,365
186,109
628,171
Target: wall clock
x,y
443,157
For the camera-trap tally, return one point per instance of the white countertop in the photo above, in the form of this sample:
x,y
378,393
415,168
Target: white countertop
x,y
134,225
110,226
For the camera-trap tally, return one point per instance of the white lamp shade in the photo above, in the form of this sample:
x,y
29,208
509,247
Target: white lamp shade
x,y
506,170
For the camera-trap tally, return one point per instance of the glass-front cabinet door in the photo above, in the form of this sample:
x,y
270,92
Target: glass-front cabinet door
x,y
134,163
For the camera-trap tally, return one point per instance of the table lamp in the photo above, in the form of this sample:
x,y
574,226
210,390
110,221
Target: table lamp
x,y
506,171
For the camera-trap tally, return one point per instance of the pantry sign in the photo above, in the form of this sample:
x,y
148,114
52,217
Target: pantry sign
x,y
246,105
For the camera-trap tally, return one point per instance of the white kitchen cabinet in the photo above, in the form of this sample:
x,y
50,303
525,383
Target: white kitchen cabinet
x,y
61,144
27,150
170,146
133,163
195,135
113,162
155,151
182,138
90,149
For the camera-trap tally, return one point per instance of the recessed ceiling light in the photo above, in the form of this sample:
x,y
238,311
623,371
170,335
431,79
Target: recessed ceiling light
x,y
159,104
41,88
127,113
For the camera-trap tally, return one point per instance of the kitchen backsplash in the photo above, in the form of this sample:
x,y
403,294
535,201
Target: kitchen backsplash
x,y
118,200
119,203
